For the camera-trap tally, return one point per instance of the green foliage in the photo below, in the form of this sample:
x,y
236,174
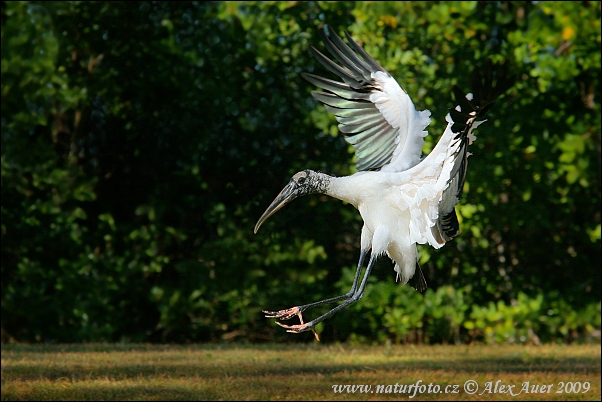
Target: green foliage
x,y
450,315
141,141
532,320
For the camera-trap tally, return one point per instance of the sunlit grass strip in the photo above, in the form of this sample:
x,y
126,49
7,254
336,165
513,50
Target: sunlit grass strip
x,y
202,372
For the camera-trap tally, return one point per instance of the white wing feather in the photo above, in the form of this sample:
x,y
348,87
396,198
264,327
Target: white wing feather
x,y
397,108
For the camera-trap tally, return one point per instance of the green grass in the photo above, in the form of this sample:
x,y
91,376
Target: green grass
x,y
243,372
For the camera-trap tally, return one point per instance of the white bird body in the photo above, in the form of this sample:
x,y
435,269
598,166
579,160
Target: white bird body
x,y
403,199
399,207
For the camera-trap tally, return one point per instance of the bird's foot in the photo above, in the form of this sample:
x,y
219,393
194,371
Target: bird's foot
x,y
284,314
297,329
288,314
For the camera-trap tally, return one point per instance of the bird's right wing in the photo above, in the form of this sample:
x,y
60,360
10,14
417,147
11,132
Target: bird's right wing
x,y
376,115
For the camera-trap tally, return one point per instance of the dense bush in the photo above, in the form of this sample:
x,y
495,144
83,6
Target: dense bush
x,y
141,141
447,315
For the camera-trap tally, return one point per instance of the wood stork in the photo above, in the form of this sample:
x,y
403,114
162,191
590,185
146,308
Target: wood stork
x,y
404,200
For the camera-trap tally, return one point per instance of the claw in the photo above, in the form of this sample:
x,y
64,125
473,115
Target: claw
x,y
312,328
282,314
294,329
288,314
297,329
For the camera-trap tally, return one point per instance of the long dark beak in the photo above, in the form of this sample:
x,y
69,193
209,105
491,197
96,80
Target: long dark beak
x,y
287,194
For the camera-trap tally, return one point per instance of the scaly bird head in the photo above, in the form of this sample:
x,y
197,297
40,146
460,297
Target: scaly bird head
x,y
302,183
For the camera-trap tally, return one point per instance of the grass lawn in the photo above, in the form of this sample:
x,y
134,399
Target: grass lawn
x,y
298,372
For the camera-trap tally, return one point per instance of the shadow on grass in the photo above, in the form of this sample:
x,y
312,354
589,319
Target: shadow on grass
x,y
243,362
107,391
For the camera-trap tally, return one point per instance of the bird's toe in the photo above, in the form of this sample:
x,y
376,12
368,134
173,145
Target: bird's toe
x,y
296,329
282,314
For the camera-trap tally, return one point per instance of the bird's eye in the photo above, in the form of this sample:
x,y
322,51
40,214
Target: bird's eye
x,y
301,180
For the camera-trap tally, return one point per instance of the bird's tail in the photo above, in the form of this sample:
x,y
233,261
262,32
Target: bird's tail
x,y
417,281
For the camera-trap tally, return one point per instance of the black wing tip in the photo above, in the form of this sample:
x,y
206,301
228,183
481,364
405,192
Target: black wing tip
x,y
417,281
449,224
488,84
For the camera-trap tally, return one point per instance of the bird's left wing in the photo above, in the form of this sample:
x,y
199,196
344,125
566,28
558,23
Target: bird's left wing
x,y
434,186
487,86
376,115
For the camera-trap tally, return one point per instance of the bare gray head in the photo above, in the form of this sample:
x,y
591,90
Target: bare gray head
x,y
302,183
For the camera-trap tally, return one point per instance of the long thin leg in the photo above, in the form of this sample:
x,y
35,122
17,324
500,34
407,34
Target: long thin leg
x,y
296,311
356,296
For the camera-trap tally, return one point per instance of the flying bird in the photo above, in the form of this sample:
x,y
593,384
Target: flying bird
x,y
403,199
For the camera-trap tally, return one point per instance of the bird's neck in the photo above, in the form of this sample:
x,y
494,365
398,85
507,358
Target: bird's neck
x,y
344,188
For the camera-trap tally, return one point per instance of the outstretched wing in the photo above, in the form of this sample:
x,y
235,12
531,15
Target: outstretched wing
x,y
433,188
435,185
376,115
487,86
